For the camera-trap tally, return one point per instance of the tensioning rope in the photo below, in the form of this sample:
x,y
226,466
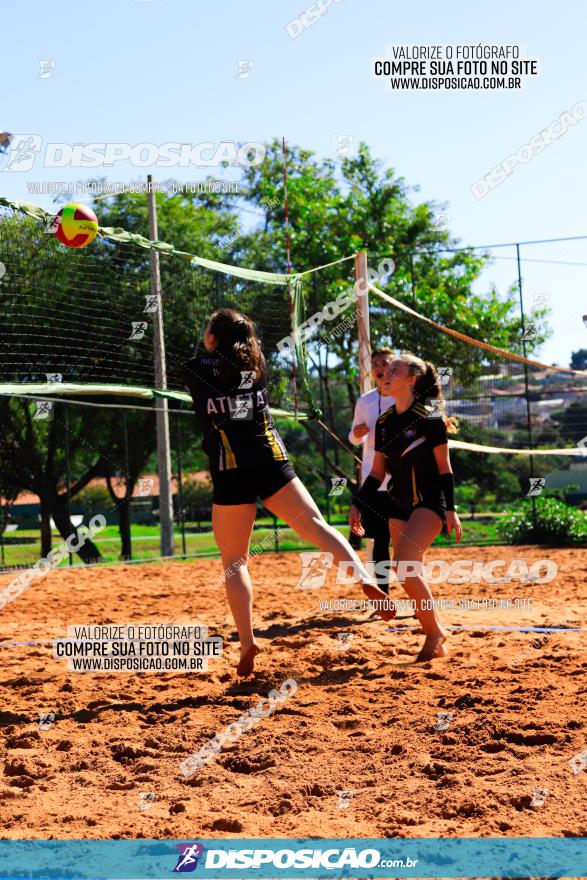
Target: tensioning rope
x,y
469,339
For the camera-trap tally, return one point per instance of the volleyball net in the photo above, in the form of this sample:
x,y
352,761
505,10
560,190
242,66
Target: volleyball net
x,y
86,315
518,417
78,386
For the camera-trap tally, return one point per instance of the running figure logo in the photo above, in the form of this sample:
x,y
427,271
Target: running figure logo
x,y
578,762
44,409
138,329
46,68
444,719
244,69
243,409
338,484
444,375
436,408
189,853
537,484
539,795
46,719
247,379
345,797
54,378
344,640
539,301
315,567
146,800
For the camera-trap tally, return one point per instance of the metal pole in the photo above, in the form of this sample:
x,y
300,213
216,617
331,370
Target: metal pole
x,y
324,456
526,386
179,485
67,475
162,415
127,469
414,301
362,305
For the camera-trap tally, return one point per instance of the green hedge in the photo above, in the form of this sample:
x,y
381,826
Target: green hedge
x,y
553,523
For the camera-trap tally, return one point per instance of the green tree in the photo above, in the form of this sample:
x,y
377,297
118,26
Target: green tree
x,y
337,210
572,422
579,359
71,313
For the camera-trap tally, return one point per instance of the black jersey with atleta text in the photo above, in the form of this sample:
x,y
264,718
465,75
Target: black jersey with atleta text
x,y
407,440
236,423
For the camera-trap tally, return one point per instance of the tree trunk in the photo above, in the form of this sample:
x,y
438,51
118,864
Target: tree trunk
x,y
124,528
45,527
123,509
88,552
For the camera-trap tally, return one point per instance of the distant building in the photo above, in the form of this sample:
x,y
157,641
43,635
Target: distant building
x,y
26,509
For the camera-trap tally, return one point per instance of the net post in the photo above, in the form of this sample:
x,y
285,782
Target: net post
x,y
127,499
67,474
161,408
362,307
180,483
526,383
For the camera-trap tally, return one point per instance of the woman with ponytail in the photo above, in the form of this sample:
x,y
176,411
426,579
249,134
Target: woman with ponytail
x,y
247,461
411,445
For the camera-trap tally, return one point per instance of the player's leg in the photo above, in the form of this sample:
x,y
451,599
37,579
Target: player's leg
x,y
294,504
396,530
379,531
381,554
420,531
232,525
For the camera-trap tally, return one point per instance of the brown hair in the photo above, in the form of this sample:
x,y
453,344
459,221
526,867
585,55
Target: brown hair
x,y
237,344
427,384
379,351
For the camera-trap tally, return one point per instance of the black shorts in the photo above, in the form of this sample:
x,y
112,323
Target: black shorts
x,y
375,515
245,485
399,509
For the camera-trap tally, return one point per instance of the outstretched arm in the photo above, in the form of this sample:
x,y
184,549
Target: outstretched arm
x,y
371,485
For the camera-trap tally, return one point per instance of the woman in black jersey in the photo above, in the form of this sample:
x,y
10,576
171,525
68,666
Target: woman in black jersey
x,y
411,445
248,460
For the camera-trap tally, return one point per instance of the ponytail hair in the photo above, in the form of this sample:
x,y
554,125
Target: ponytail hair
x,y
427,385
237,346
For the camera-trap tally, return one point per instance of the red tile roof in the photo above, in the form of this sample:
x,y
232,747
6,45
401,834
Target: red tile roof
x,y
31,498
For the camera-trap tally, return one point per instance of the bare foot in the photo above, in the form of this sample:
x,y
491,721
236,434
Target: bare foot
x,y
247,660
433,648
381,601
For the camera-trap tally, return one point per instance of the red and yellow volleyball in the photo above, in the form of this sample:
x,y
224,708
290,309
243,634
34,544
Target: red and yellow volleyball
x,y
76,225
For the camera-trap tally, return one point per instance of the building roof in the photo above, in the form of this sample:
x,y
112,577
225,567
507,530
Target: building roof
x,y
146,489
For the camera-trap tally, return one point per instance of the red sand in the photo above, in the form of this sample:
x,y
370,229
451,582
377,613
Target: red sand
x,y
363,720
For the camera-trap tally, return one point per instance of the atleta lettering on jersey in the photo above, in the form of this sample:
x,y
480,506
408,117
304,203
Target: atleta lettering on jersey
x,y
226,404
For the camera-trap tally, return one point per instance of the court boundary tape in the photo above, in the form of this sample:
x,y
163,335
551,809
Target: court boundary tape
x,y
468,626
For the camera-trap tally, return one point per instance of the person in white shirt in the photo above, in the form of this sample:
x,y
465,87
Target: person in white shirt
x,y
368,408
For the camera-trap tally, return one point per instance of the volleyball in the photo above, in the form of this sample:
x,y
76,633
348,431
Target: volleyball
x,y
76,225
